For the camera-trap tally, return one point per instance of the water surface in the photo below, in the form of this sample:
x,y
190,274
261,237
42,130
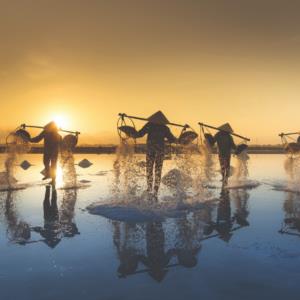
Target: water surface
x,y
245,245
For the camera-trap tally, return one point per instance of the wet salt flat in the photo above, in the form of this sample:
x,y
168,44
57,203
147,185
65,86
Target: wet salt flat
x,y
232,244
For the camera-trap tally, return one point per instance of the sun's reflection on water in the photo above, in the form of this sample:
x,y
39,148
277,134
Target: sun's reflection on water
x,y
59,176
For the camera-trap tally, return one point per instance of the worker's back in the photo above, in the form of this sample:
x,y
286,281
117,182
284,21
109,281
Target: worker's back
x,y
52,141
157,134
225,143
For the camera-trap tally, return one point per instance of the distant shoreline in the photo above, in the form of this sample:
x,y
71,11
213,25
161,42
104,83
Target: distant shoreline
x,y
141,148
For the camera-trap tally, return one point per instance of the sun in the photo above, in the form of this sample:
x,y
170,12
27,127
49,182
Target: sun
x,y
61,121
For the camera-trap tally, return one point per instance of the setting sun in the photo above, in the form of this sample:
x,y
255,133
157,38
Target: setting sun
x,y
61,121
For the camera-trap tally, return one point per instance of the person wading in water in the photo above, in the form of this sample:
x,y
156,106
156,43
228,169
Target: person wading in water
x,y
158,133
225,145
52,141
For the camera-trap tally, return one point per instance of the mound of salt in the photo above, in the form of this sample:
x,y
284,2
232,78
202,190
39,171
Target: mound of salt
x,y
25,164
84,163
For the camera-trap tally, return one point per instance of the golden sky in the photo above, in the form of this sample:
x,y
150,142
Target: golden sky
x,y
210,61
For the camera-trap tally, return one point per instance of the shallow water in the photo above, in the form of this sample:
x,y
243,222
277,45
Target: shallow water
x,y
243,245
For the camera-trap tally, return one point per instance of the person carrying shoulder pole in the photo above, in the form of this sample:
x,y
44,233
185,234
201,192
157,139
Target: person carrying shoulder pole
x,y
157,134
52,141
225,145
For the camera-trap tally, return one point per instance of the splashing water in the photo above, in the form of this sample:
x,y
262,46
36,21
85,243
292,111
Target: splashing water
x,y
193,174
129,199
240,172
128,172
69,176
207,165
15,147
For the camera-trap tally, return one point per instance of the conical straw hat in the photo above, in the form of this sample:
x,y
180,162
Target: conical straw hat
x,y
226,127
158,118
51,127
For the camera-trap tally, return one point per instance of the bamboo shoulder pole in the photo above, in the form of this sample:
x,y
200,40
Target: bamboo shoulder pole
x,y
234,134
41,127
144,119
289,133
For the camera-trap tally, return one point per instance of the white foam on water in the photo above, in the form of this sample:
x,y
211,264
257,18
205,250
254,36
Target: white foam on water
x,y
9,188
100,173
243,184
141,209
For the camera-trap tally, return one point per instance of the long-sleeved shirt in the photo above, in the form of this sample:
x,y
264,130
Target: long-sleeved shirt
x,y
52,141
157,134
225,143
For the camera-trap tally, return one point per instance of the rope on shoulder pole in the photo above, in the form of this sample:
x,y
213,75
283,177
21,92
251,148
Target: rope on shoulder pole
x,y
216,128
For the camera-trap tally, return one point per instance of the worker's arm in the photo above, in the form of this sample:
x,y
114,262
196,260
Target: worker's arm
x,y
170,137
38,138
143,131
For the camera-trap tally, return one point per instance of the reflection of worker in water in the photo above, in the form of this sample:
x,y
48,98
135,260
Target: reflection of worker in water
x,y
225,145
158,133
292,215
52,142
224,221
51,231
157,259
127,253
224,224
17,231
188,241
240,198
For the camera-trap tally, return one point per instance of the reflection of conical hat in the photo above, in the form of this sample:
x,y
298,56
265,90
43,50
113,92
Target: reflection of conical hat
x,y
226,127
158,118
158,274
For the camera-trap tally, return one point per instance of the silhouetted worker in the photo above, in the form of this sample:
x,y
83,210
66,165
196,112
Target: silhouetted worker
x,y
158,133
225,145
52,142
